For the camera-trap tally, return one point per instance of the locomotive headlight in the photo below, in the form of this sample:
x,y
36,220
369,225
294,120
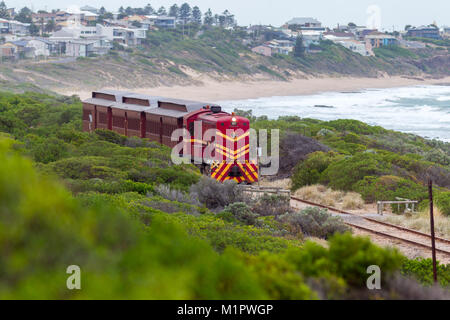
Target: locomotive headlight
x,y
233,121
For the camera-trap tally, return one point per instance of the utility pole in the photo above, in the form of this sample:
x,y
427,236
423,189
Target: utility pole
x,y
433,239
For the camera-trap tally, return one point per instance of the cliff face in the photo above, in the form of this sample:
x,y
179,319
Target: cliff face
x,y
183,62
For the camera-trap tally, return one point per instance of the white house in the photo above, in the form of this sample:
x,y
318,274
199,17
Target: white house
x,y
126,36
355,46
41,47
80,48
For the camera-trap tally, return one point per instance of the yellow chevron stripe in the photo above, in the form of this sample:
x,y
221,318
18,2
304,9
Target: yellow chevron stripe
x,y
253,171
213,175
198,141
233,139
223,171
243,153
249,177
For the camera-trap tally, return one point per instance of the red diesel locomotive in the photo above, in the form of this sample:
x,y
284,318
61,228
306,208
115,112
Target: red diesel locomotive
x,y
219,142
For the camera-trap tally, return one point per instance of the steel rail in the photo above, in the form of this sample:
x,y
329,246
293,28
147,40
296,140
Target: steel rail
x,y
381,223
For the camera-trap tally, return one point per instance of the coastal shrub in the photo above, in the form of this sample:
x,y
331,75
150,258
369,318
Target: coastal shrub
x,y
46,150
110,187
216,195
271,205
352,201
346,257
295,147
309,171
344,173
422,270
241,212
443,202
168,193
355,126
388,188
314,222
110,136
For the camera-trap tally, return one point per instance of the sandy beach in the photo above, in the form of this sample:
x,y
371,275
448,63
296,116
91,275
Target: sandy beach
x,y
212,90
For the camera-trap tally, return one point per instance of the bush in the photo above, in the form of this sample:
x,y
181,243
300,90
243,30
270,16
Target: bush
x,y
271,205
176,195
387,188
216,195
422,270
347,257
309,172
314,222
344,173
443,202
241,212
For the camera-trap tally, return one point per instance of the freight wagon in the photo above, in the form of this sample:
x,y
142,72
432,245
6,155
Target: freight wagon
x,y
156,118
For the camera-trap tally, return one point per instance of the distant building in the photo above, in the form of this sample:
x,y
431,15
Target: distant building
x,y
355,46
338,36
263,50
13,27
80,48
311,37
45,18
163,22
281,46
89,9
125,36
430,32
305,23
378,39
4,26
41,47
16,50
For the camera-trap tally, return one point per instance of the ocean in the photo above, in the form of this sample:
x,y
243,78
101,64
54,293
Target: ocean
x,y
422,110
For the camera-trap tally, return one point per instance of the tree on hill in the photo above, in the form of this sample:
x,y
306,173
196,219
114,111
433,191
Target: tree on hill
x,y
102,11
162,11
174,11
3,10
299,49
24,15
148,9
351,24
50,26
185,12
197,15
208,19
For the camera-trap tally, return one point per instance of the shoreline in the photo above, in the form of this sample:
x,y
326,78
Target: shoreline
x,y
212,90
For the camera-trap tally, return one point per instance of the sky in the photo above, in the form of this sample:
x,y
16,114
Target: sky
x,y
388,14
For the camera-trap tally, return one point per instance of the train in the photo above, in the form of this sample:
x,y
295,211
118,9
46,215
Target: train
x,y
216,141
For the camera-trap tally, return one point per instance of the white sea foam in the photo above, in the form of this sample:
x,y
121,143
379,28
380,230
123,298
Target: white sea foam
x,y
423,110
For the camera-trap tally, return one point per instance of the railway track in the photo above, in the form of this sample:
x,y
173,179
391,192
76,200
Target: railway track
x,y
387,230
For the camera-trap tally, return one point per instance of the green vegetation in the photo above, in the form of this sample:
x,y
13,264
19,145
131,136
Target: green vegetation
x,y
378,163
140,227
392,52
173,56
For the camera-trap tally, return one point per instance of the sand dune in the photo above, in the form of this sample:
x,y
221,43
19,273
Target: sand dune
x,y
213,90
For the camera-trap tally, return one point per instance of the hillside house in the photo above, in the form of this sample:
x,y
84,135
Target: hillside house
x,y
13,27
16,50
305,23
125,36
80,48
430,32
41,47
378,39
311,37
163,22
264,50
281,46
355,46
